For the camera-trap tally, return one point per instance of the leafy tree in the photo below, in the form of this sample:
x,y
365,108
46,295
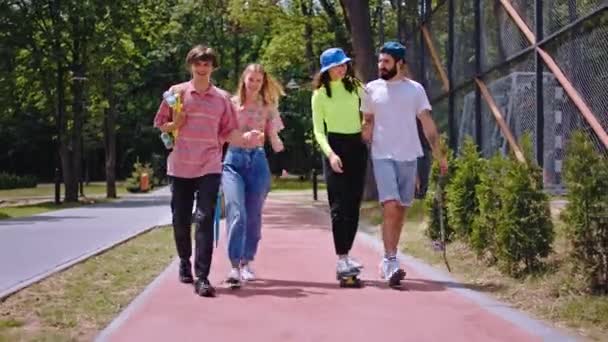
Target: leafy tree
x,y
586,214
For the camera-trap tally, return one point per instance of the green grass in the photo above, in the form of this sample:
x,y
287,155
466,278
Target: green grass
x,y
78,303
39,208
293,184
11,323
554,295
48,190
584,311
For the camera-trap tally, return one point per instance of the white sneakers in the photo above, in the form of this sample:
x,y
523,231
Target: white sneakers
x,y
353,263
234,275
247,273
391,271
343,267
347,266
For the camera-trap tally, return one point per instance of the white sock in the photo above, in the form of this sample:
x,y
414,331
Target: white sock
x,y
390,256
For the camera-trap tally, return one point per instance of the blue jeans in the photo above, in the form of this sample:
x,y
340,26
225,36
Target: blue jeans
x,y
245,184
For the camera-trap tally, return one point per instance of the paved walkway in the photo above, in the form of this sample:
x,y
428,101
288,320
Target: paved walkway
x,y
297,297
31,248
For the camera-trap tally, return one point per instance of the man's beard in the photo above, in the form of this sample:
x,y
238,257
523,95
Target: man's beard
x,y
388,74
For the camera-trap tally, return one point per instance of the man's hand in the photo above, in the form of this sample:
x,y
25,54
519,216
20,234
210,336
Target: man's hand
x,y
335,162
167,127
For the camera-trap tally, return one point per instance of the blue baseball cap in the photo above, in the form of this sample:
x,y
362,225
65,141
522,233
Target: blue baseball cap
x,y
394,49
332,57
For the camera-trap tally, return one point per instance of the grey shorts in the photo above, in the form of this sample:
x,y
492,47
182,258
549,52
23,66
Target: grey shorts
x,y
396,180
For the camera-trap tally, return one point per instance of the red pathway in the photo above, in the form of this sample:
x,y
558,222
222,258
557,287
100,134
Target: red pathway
x,y
297,298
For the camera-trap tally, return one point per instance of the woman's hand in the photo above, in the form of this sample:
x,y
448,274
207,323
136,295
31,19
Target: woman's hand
x,y
277,144
253,138
366,133
335,162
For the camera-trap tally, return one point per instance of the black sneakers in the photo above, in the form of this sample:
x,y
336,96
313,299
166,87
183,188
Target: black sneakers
x,y
203,288
185,272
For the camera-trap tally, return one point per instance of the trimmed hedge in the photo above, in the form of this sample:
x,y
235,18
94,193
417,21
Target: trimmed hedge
x,y
10,181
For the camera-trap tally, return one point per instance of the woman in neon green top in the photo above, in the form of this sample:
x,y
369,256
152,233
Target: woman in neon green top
x,y
337,129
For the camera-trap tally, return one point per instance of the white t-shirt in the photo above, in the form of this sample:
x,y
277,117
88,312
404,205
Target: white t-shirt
x,y
395,105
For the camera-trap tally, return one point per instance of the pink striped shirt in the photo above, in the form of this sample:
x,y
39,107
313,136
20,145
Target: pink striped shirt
x,y
209,119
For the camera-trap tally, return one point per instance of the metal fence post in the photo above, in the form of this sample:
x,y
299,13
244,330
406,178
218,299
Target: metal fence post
x,y
452,139
540,108
477,36
421,21
315,184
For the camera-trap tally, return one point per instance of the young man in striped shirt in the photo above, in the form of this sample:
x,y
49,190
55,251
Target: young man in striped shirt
x,y
206,121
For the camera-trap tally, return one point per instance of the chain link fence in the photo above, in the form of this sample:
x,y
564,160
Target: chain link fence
x,y
479,39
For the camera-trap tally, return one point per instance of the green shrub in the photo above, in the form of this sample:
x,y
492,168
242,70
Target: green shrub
x,y
483,234
10,181
586,214
460,193
525,230
132,183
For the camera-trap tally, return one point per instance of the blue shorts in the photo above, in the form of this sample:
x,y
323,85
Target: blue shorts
x,y
396,180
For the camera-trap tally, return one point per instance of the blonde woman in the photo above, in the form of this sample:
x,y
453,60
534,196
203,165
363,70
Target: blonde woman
x,y
246,175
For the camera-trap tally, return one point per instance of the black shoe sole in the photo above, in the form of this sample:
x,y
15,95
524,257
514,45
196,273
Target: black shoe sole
x,y
206,293
396,278
209,292
186,280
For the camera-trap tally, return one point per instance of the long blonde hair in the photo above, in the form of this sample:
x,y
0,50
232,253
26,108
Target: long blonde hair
x,y
271,89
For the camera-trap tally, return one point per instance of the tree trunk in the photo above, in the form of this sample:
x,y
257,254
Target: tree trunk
x,y
65,149
78,109
358,15
109,137
357,12
346,19
336,25
306,7
70,179
380,18
401,24
65,153
80,32
71,186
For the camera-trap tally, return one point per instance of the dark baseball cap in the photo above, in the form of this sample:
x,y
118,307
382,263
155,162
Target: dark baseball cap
x,y
395,49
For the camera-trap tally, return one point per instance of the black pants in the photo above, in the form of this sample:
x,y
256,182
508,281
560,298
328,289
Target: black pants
x,y
345,190
182,200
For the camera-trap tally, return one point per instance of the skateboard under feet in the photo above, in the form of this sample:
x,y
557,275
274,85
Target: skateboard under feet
x,y
350,279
